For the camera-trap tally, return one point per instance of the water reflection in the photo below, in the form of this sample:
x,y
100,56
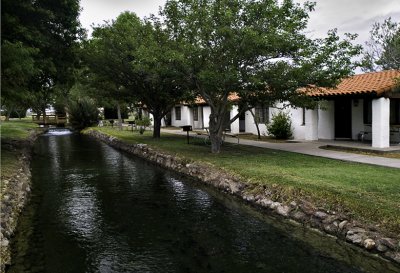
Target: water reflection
x,y
98,210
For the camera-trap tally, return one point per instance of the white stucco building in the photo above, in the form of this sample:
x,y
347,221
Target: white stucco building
x,y
362,107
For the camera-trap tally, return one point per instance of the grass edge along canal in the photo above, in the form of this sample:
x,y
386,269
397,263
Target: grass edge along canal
x,y
366,193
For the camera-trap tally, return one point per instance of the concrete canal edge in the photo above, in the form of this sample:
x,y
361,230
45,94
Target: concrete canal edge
x,y
14,196
335,224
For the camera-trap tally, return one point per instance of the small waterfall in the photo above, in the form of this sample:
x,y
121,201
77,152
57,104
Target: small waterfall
x,y
58,132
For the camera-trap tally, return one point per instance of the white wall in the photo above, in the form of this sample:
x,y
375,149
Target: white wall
x,y
250,126
186,117
298,129
296,116
206,116
312,119
235,124
380,122
326,120
357,118
198,124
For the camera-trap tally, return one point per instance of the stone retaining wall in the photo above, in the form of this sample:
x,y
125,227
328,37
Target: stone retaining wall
x,y
336,224
14,195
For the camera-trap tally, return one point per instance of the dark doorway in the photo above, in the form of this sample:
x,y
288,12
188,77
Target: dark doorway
x,y
343,118
242,122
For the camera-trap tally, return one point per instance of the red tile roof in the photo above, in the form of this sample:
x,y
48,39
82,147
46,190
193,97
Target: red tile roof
x,y
374,82
231,97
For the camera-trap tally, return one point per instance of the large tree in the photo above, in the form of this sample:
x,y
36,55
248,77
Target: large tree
x,y
383,48
256,48
107,56
160,70
138,56
43,35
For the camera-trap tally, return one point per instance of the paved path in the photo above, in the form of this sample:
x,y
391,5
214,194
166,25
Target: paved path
x,y
311,148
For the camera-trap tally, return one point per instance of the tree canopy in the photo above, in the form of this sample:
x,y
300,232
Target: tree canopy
x,y
138,57
257,49
39,44
382,51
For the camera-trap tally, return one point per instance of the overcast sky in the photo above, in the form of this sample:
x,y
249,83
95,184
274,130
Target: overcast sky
x,y
353,16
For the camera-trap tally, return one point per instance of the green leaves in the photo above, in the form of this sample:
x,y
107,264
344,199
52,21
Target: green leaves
x,y
39,50
256,48
141,60
383,49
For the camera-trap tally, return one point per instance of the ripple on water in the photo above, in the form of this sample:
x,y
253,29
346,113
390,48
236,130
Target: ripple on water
x,y
103,211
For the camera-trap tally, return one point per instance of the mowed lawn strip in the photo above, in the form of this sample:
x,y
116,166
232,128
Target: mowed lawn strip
x,y
17,129
13,130
369,193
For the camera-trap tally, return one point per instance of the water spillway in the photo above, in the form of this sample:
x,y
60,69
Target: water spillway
x,y
95,209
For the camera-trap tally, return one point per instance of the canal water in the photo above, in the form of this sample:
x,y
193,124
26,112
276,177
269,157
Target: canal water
x,y
96,209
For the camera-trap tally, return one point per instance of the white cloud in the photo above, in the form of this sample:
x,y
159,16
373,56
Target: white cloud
x,y
353,16
348,16
98,11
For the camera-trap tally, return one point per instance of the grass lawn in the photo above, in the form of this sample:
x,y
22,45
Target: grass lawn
x,y
369,193
16,129
13,130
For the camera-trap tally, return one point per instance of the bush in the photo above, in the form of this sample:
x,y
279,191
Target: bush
x,y
18,113
143,123
83,113
280,126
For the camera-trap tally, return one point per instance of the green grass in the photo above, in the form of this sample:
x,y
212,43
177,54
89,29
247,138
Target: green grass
x,y
368,193
16,129
12,133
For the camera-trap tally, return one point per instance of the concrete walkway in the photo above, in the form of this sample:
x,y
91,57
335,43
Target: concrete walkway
x,y
310,148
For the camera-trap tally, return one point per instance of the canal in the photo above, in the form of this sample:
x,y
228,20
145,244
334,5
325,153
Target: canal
x,y
96,209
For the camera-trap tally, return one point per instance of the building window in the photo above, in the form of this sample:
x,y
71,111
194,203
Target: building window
x,y
196,113
178,113
262,114
303,122
367,111
395,112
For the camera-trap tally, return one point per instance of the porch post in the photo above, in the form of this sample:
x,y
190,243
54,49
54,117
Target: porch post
x,y
235,124
311,125
380,123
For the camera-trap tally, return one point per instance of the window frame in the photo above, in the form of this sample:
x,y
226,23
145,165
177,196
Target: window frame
x,y
261,113
195,113
178,110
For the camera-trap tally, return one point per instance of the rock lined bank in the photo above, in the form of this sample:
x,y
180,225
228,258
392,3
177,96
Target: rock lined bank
x,y
304,212
15,191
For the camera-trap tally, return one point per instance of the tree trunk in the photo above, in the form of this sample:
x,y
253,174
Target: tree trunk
x,y
9,113
256,123
157,126
119,116
44,115
216,124
38,114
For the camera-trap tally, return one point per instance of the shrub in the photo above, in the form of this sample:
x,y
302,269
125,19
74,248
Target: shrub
x,y
143,123
18,113
280,126
83,112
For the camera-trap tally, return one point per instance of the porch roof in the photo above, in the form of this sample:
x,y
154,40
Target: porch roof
x,y
376,83
231,97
